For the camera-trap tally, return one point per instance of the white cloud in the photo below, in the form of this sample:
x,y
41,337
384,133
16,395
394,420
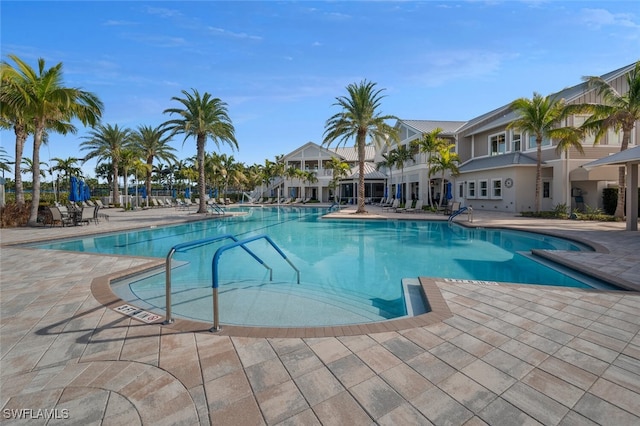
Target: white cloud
x,y
598,18
226,33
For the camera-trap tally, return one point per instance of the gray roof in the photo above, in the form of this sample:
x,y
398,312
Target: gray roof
x,y
350,153
497,162
501,116
631,155
370,172
426,126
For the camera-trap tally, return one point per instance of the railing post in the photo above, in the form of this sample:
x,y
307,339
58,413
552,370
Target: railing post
x,y
216,320
168,319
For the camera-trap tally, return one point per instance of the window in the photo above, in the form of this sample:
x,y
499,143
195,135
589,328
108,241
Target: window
x,y
498,144
460,190
471,189
546,189
483,189
496,188
516,142
578,120
532,142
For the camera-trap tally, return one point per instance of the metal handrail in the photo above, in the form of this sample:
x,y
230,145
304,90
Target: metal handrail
x,y
214,206
204,241
241,243
461,210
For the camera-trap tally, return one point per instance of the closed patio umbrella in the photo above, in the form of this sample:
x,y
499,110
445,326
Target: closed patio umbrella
x,y
187,192
73,191
449,192
87,192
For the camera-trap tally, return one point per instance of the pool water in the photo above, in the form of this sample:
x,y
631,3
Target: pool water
x,y
351,270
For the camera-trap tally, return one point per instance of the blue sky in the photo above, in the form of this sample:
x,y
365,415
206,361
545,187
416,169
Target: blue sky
x,y
279,65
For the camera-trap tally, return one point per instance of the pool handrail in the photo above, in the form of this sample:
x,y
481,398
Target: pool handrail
x,y
203,241
216,259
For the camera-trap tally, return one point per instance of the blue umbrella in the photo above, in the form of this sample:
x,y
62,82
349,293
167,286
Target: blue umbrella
x,y
187,192
210,193
143,192
399,192
386,192
73,191
87,192
449,194
215,193
173,193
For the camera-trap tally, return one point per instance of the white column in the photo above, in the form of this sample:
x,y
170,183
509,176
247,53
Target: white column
x,y
632,196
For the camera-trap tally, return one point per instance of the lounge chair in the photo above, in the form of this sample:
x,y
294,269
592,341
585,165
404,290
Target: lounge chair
x,y
101,204
452,207
57,217
88,214
416,207
393,206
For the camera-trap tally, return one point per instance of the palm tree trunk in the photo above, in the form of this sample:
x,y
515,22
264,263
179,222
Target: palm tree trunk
x,y
538,173
35,195
21,138
202,208
116,192
361,154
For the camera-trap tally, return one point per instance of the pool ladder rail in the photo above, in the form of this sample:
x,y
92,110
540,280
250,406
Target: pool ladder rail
x,y
461,210
214,265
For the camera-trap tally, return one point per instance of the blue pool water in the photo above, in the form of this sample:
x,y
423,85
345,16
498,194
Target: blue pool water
x,y
353,269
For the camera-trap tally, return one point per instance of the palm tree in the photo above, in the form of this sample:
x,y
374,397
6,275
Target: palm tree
x,y
14,118
153,144
340,170
615,111
67,166
106,143
402,155
388,163
538,117
430,143
41,97
202,117
446,160
358,119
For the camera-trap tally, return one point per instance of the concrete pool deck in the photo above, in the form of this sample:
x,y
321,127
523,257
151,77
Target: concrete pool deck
x,y
507,354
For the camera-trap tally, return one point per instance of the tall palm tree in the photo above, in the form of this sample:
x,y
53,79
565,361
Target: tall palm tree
x,y
358,119
106,143
14,118
42,97
445,160
388,163
538,117
402,155
340,170
153,144
430,143
202,117
615,111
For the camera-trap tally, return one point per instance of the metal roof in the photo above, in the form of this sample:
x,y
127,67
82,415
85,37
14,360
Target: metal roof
x,y
501,116
427,126
497,162
631,155
350,153
370,172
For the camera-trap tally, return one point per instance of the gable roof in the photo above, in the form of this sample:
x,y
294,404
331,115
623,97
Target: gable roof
x,y
329,153
497,162
503,115
449,128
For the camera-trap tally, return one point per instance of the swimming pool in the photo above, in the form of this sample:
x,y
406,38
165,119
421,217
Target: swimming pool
x,y
351,271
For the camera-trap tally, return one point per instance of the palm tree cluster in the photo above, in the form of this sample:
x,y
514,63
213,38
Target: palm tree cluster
x,y
35,102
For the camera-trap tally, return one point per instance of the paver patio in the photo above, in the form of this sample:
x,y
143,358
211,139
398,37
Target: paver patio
x,y
507,354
